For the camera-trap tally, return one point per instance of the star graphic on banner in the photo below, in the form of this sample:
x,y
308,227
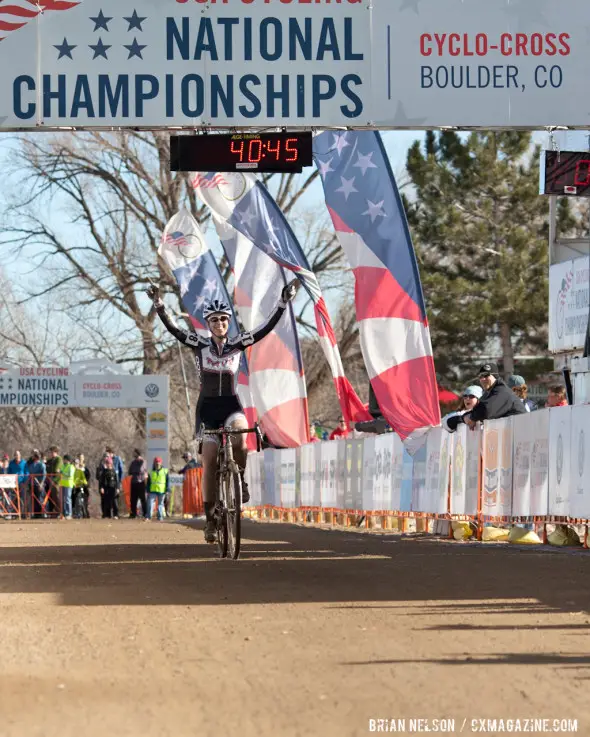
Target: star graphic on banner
x,y
65,49
375,210
325,167
101,21
199,302
135,22
347,187
340,142
134,49
401,120
247,217
209,287
100,49
410,4
364,162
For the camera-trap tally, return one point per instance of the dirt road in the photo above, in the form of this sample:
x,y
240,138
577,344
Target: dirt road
x,y
126,628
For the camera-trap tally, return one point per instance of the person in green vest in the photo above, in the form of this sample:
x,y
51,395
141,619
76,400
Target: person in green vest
x,y
158,485
66,482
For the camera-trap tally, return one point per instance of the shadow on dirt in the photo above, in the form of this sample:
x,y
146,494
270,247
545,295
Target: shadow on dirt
x,y
286,564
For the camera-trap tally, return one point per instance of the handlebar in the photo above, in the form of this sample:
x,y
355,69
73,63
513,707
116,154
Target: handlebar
x,y
229,431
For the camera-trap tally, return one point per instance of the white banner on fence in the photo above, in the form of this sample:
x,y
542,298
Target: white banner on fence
x,y
307,460
287,477
368,477
497,468
531,464
579,498
329,458
560,426
436,485
465,471
392,63
8,481
568,304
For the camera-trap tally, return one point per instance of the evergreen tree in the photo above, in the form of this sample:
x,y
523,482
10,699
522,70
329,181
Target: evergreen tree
x,y
480,230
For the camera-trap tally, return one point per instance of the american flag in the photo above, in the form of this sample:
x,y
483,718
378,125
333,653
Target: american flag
x,y
15,15
175,239
201,180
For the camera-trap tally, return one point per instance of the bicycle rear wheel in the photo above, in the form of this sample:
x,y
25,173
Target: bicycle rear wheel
x,y
233,499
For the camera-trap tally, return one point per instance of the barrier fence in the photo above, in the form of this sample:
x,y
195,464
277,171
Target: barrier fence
x,y
525,469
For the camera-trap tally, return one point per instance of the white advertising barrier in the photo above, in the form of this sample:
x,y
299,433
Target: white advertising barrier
x,y
419,499
390,63
465,471
497,468
255,478
287,477
579,498
436,486
530,482
353,498
307,460
383,478
368,475
329,458
568,305
560,426
8,481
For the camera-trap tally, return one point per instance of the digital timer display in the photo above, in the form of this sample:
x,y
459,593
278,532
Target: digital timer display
x,y
567,173
266,152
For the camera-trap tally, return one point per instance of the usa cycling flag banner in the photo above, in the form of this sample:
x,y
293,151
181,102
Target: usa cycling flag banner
x,y
277,379
247,206
369,218
184,249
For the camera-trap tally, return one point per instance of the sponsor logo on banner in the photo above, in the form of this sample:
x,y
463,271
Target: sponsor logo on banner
x,y
157,417
490,490
458,466
157,433
559,458
152,390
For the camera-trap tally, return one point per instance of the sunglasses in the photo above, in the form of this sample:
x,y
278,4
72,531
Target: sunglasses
x,y
469,396
218,319
484,376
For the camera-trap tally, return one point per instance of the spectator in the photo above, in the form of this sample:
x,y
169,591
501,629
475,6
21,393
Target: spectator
x,y
469,400
313,438
497,401
109,489
557,396
66,482
519,387
117,464
4,463
18,467
341,431
53,464
138,472
81,481
36,492
158,487
189,461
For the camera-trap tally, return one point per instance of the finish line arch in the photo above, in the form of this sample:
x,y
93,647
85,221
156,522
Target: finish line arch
x,y
59,388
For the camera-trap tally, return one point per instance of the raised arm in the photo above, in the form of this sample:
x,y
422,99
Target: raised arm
x,y
244,340
181,335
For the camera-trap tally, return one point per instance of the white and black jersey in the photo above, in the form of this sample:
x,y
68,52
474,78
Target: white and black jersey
x,y
218,367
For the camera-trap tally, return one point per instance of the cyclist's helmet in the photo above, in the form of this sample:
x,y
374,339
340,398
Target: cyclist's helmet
x,y
217,307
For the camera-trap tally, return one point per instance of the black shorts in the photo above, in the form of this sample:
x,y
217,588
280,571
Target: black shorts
x,y
214,411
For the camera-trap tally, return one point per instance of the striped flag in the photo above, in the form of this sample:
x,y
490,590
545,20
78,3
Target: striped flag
x,y
17,13
277,379
186,252
368,215
247,206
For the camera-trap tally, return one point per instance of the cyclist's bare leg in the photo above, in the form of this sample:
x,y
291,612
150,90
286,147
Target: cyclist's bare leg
x,y
240,447
209,460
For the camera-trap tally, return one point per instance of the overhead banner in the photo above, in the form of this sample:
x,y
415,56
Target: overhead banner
x,y
568,304
246,63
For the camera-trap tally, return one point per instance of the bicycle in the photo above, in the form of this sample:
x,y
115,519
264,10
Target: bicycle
x,y
228,506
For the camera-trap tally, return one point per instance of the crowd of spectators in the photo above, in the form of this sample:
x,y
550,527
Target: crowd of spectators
x,y
52,485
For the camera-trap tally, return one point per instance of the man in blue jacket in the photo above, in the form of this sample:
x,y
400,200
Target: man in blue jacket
x,y
37,471
18,467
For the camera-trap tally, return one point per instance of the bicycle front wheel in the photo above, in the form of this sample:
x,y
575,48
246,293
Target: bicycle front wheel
x,y
233,499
